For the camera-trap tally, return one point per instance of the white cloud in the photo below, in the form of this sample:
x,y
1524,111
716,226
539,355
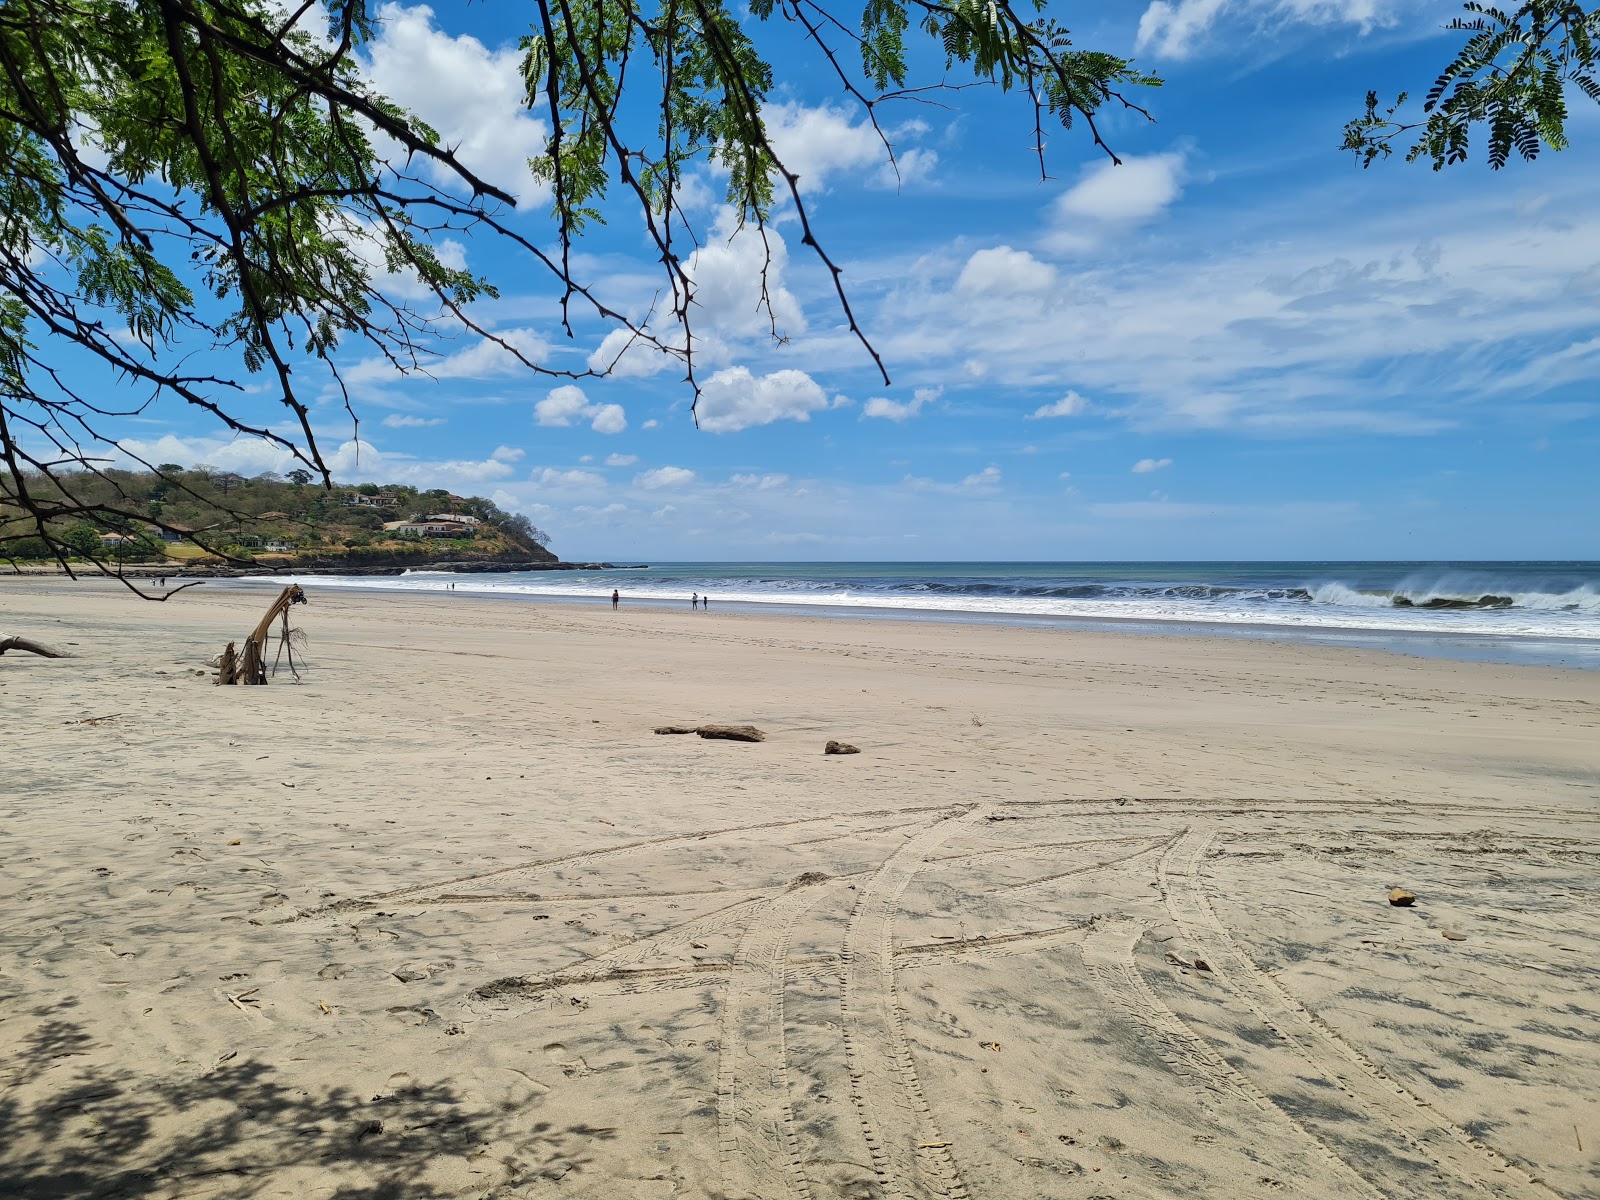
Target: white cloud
x,y
568,405
818,143
348,461
554,479
763,483
664,477
459,469
405,421
609,418
1321,320
1146,466
623,355
734,399
471,95
621,460
488,358
484,359
1006,271
508,454
1169,30
563,406
1121,195
900,410
362,237
725,275
1069,405
986,480
610,510
652,423
1176,29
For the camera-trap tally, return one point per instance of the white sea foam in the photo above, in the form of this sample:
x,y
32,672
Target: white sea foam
x,y
1332,606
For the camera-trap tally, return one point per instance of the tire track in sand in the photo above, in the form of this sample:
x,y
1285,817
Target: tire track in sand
x,y
909,1156
615,963
419,890
756,1139
1390,1112
1108,952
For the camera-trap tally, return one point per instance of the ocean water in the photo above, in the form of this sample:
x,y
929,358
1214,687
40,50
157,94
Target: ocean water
x,y
1512,611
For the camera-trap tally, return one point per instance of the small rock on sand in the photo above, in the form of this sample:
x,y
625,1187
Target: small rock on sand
x,y
1401,898
1452,936
732,733
841,748
675,728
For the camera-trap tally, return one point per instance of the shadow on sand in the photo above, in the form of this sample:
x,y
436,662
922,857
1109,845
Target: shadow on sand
x,y
238,1129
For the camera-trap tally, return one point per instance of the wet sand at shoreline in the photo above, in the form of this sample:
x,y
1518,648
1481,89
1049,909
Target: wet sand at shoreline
x,y
1090,915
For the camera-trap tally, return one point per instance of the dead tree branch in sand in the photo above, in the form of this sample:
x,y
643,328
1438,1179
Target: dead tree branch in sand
x,y
250,665
15,642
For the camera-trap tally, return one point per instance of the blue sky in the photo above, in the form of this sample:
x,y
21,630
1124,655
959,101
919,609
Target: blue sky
x,y
1235,345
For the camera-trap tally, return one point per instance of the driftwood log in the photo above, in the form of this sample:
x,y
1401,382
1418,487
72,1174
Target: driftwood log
x,y
729,733
732,733
16,642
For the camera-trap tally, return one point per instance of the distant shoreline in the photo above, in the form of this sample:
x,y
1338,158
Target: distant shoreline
x,y
158,570
1461,646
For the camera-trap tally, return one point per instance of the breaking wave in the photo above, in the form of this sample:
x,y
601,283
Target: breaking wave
x,y
1507,600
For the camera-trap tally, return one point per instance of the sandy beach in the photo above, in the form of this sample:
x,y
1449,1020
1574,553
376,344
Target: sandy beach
x,y
1089,915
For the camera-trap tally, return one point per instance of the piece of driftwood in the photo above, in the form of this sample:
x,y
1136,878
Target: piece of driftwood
x,y
732,733
17,642
249,666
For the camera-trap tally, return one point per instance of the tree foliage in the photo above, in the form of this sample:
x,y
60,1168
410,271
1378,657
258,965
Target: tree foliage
x,y
1510,79
219,173
253,512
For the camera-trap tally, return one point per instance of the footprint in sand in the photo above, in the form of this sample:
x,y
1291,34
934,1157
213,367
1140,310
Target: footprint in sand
x,y
397,1085
413,1014
572,1066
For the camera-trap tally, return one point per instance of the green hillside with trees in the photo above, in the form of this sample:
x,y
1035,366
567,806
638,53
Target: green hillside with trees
x,y
206,516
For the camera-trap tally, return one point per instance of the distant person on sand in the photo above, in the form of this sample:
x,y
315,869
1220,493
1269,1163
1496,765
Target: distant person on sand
x,y
705,603
694,600
616,599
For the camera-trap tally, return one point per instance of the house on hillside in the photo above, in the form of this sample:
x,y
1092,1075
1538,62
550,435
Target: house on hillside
x,y
173,533
377,500
111,541
427,528
460,518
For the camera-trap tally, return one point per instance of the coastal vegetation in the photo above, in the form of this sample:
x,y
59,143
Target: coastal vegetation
x,y
202,515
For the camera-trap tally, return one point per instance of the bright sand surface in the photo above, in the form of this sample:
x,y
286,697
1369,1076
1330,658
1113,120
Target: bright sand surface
x,y
447,919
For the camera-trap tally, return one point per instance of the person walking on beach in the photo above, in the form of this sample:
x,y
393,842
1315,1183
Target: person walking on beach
x,y
705,603
694,600
616,599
